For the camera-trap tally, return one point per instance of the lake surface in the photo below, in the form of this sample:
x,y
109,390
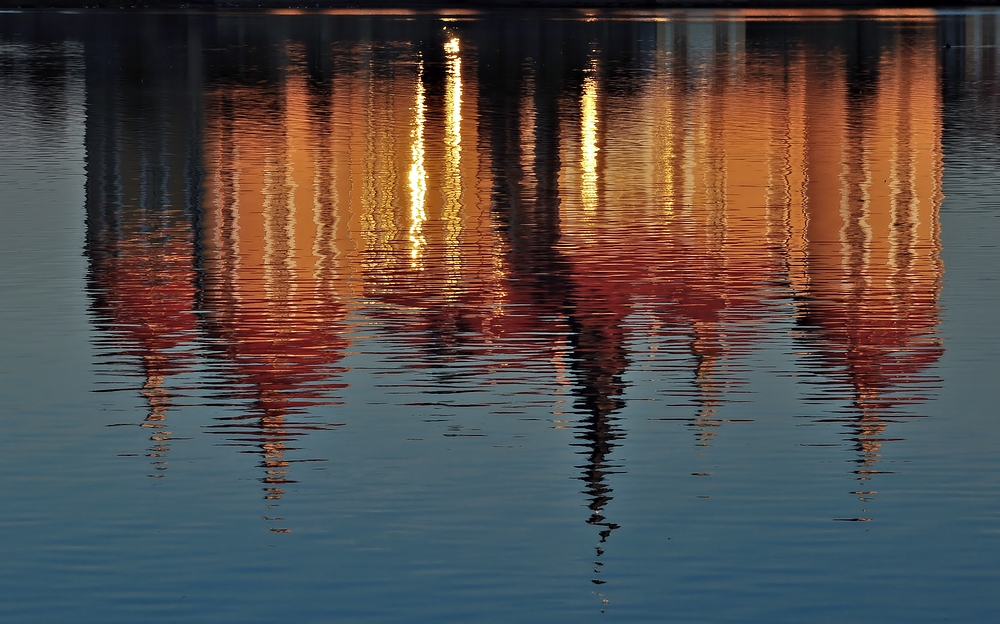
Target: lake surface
x,y
499,317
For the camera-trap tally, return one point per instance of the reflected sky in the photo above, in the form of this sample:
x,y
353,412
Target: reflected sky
x,y
607,222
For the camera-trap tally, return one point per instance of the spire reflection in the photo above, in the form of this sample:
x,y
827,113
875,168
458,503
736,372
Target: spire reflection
x,y
140,244
272,295
868,304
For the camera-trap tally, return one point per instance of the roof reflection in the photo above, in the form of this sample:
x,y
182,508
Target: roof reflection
x,y
869,241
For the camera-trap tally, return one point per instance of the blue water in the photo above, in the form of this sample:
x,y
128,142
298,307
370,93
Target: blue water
x,y
499,317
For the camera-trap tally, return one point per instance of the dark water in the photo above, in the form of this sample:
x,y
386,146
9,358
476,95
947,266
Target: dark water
x,y
514,317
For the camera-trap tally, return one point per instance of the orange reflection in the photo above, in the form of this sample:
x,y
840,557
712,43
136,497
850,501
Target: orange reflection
x,y
717,192
871,250
273,280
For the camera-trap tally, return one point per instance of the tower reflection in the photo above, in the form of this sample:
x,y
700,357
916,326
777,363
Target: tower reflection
x,y
584,312
272,292
140,230
514,200
869,237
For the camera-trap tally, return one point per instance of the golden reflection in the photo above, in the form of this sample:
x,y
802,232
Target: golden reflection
x,y
588,143
453,160
274,307
418,175
669,165
379,174
527,142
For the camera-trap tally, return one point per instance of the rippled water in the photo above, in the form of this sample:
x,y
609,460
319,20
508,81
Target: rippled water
x,y
499,316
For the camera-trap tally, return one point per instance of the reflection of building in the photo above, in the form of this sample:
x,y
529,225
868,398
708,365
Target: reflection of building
x,y
721,185
868,237
483,188
274,280
143,169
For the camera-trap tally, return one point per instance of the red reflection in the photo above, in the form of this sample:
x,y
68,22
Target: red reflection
x,y
142,284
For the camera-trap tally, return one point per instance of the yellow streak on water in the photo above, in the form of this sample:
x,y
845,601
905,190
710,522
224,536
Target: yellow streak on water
x,y
452,182
418,174
588,144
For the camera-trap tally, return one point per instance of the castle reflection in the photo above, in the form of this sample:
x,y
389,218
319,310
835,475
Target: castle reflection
x,y
478,187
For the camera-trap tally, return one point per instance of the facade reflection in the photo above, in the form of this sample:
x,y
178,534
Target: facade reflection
x,y
870,241
140,229
475,194
272,292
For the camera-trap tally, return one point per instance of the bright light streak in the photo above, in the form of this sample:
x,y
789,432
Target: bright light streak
x,y
588,144
418,174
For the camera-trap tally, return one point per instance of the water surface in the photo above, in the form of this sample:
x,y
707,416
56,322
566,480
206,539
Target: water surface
x,y
499,317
